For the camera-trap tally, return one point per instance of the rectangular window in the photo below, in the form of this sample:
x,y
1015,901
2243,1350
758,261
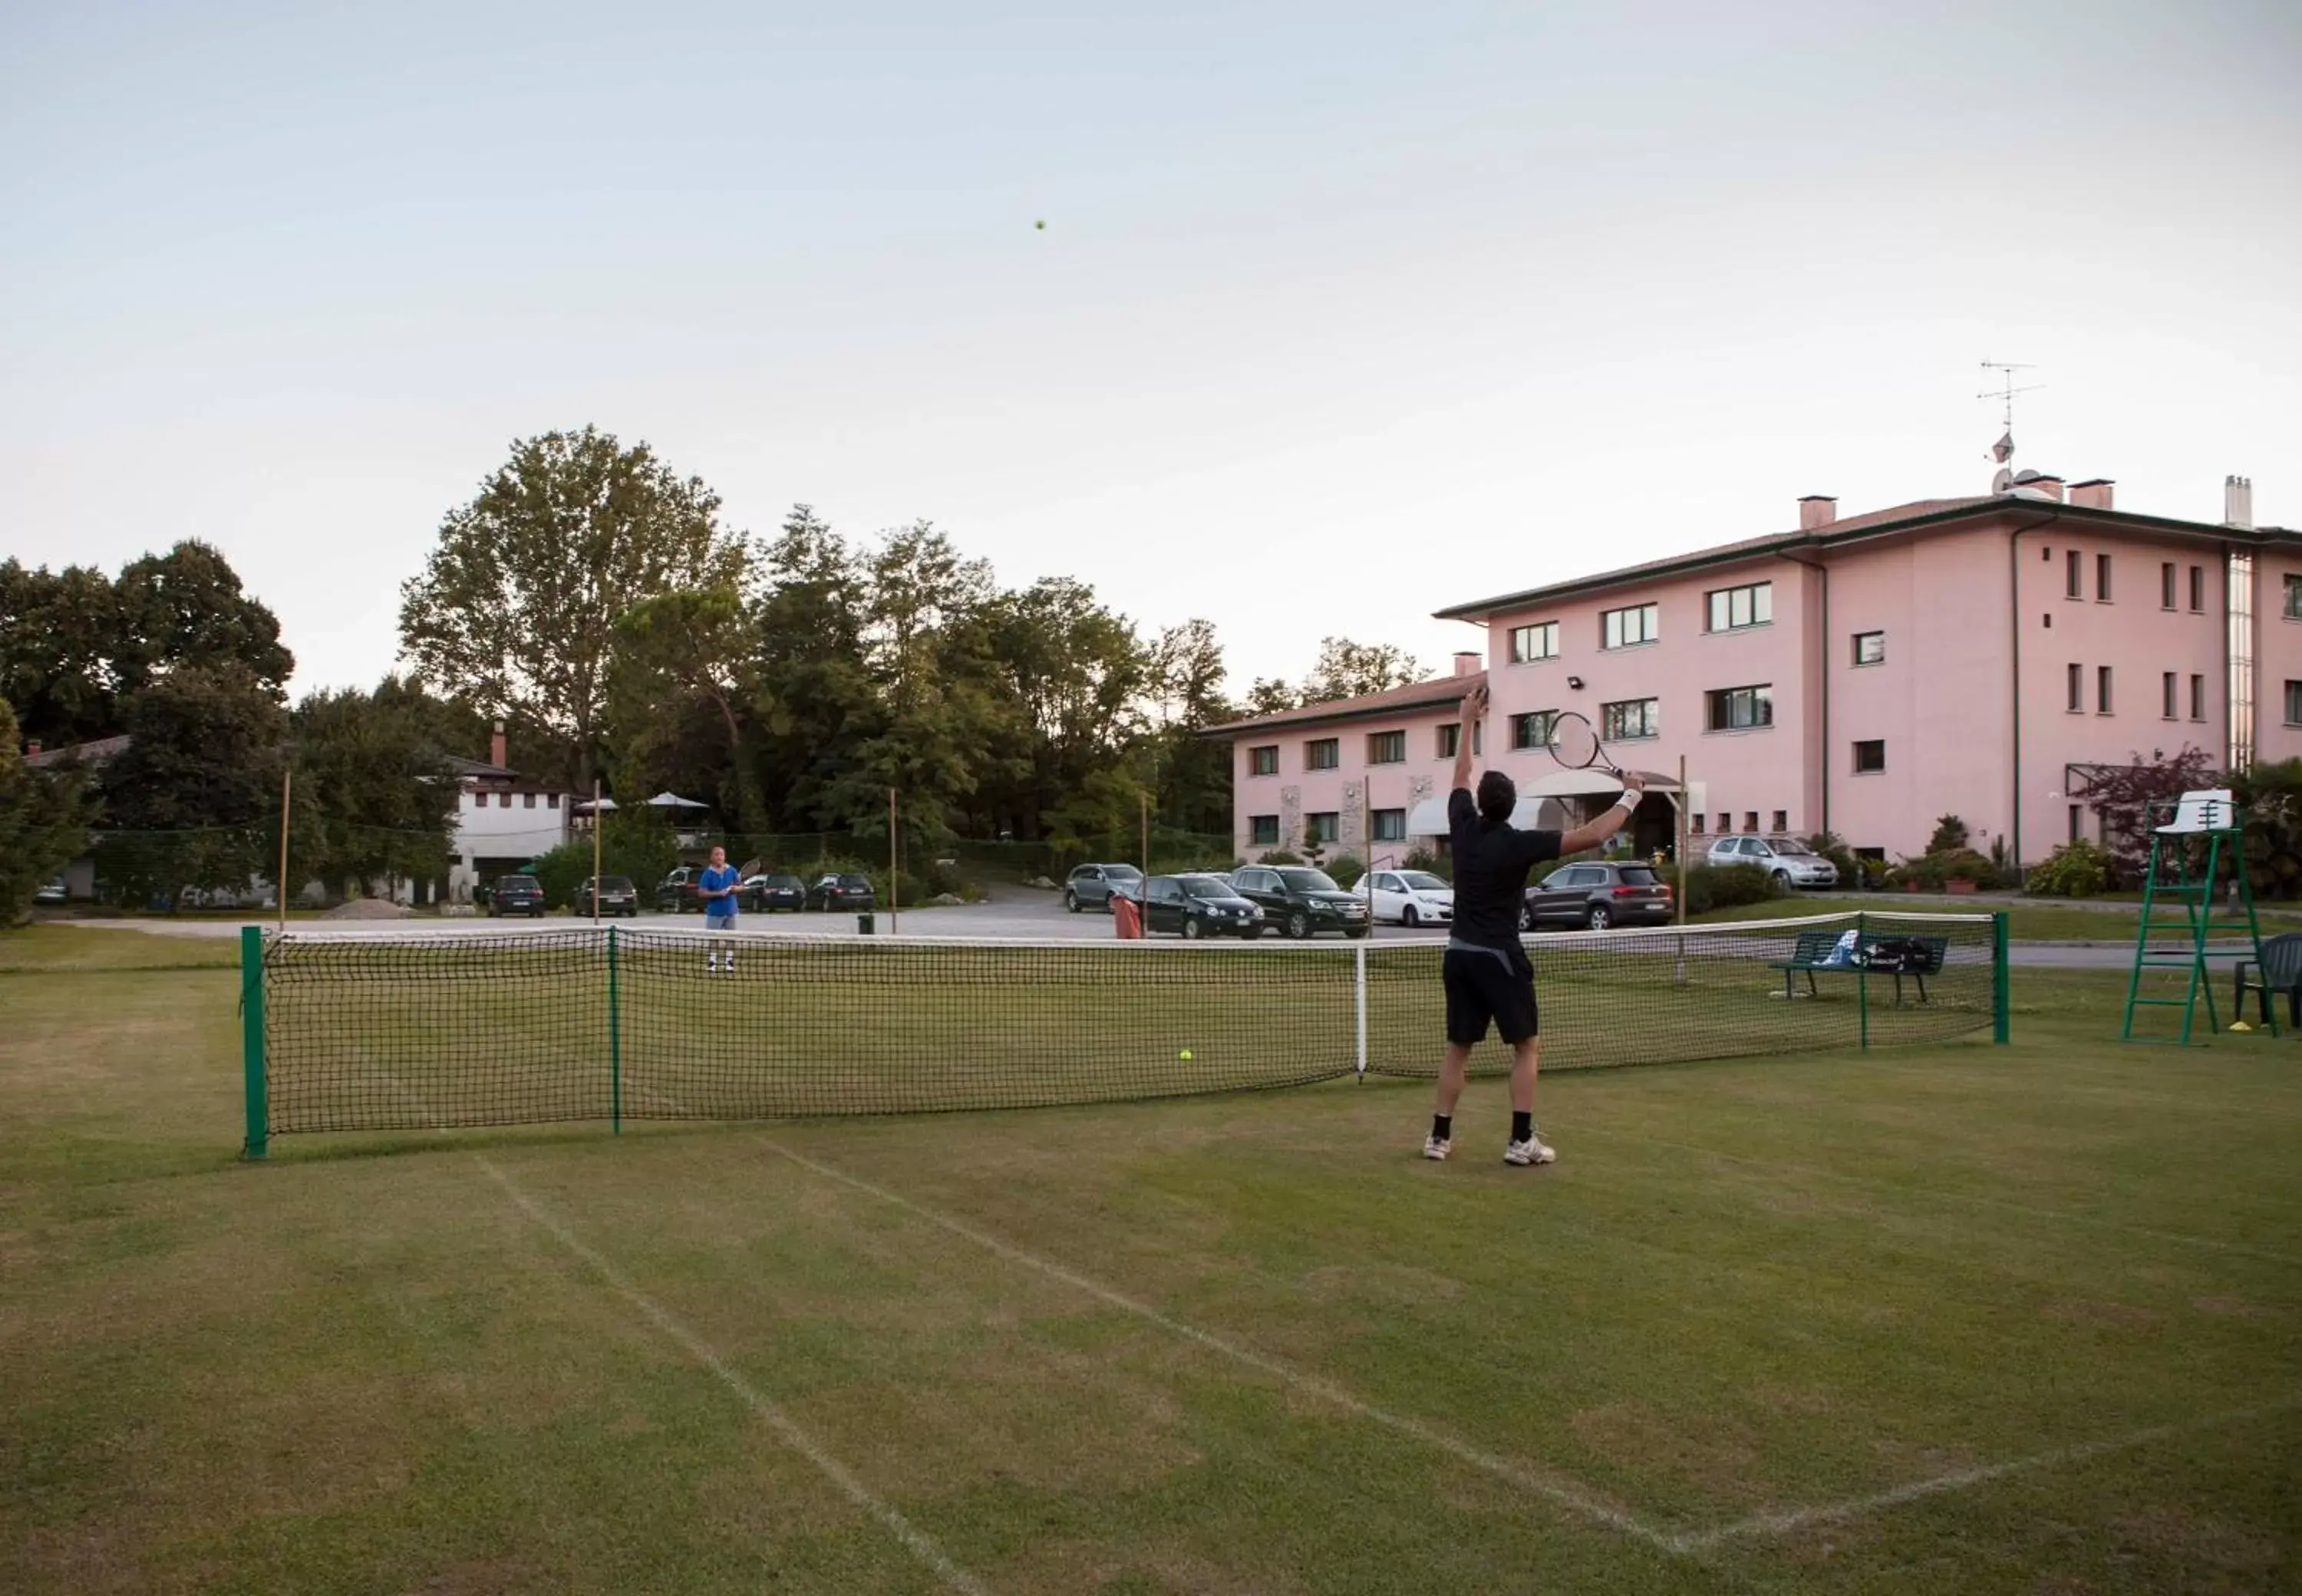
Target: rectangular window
x,y
2102,578
1390,824
1478,737
1449,739
1732,608
1870,756
1623,628
1263,761
1323,753
2077,689
1629,718
2197,588
1533,730
2166,586
2294,598
1386,748
1262,830
551,800
503,800
2074,574
1538,641
1782,822
1870,648
1694,823
2171,710
2102,689
2078,824
2294,703
1750,819
1739,708
1324,826
2197,698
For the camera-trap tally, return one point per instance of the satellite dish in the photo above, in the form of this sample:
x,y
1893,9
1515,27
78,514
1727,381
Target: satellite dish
x,y
2002,482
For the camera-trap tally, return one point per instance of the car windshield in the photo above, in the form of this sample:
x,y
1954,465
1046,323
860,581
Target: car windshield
x,y
855,883
1206,886
1309,880
1122,872
1786,847
1422,881
516,884
783,881
1636,875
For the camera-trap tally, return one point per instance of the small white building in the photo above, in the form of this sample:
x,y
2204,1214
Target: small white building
x,y
502,821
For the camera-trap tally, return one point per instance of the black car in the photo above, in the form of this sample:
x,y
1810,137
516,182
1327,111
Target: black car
x,y
680,891
1302,902
841,892
1091,885
764,895
615,895
1597,896
1196,906
517,895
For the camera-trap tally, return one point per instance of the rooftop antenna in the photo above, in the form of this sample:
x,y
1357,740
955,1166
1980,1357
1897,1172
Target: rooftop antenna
x,y
2003,452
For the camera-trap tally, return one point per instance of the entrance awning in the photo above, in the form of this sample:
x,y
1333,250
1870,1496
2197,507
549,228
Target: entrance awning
x,y
1539,800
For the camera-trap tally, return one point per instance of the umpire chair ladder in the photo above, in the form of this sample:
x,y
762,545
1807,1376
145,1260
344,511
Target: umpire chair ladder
x,y
2186,853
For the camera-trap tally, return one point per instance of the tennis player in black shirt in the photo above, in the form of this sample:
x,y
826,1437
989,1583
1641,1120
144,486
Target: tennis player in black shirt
x,y
1489,979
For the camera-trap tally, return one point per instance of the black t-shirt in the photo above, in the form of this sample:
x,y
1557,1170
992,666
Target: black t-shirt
x,y
1491,867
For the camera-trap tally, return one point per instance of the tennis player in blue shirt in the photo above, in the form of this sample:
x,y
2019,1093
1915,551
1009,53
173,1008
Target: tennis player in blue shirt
x,y
716,887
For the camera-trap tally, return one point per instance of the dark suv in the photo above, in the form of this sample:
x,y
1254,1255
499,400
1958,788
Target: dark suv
x,y
1195,906
1090,885
615,895
1301,901
680,891
517,895
767,893
841,892
1597,896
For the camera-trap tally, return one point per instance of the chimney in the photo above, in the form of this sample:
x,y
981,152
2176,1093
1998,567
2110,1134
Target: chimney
x,y
1818,510
2092,494
2046,482
32,748
496,745
2238,502
1468,664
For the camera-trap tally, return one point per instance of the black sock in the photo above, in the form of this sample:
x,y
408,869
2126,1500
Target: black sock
x,y
1522,1125
1442,1126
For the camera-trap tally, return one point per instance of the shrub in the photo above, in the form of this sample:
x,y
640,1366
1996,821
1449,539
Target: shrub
x,y
1832,847
2078,869
1708,886
1950,836
1279,856
1346,870
1933,871
1427,859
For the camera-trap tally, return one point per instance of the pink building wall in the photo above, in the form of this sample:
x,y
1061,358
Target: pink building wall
x,y
1351,791
2277,657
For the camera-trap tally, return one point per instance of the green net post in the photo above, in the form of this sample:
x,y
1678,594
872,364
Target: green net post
x,y
1861,987
251,1038
615,1043
2002,1008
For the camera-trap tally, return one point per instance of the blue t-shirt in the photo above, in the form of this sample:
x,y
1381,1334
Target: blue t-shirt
x,y
718,878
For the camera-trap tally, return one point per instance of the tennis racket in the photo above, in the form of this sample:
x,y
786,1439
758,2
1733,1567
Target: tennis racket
x,y
1575,745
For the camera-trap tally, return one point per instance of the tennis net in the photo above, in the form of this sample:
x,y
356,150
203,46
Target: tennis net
x,y
401,1032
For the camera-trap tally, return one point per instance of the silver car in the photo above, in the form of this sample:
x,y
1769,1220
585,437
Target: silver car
x,y
1091,885
1791,862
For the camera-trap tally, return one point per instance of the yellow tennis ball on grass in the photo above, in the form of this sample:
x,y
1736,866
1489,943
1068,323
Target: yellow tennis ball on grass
x,y
1185,1056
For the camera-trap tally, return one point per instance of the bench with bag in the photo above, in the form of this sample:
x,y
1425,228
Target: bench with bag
x,y
1851,953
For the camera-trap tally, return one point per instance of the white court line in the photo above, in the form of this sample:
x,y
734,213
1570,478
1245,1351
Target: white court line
x,y
1799,1518
788,1431
1565,1496
2237,1248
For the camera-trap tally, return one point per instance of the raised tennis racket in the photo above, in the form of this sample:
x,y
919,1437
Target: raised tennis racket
x,y
1574,743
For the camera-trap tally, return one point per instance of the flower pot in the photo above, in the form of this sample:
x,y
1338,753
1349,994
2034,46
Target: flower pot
x,y
1910,886
1958,886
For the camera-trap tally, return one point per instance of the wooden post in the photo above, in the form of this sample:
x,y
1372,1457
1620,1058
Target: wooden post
x,y
596,850
287,777
1145,801
1678,906
894,872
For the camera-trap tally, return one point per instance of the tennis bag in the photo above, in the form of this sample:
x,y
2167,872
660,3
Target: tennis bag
x,y
1893,956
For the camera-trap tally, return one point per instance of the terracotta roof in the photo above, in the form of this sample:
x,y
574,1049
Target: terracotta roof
x,y
78,753
1416,696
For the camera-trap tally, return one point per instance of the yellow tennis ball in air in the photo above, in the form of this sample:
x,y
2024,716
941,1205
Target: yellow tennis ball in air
x,y
1185,1056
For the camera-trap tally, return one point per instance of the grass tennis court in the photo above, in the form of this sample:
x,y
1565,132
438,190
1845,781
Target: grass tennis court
x,y
2021,1319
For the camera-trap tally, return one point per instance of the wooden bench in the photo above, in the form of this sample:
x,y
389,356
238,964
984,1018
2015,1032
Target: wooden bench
x,y
1923,957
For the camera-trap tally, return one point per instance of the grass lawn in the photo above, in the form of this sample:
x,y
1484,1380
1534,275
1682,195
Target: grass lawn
x,y
2041,921
1964,1317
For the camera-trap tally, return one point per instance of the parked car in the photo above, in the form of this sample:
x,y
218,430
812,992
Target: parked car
x,y
1301,901
1791,862
764,895
1090,885
517,895
1199,906
617,895
51,892
1412,898
1597,896
680,892
841,892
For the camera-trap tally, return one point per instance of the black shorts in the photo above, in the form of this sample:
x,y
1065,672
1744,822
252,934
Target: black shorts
x,y
1487,985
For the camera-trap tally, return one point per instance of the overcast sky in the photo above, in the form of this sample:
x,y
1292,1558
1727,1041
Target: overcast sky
x,y
1342,312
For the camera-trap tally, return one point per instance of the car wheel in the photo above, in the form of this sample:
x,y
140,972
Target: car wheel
x,y
1071,900
1600,917
1298,924
1782,881
1409,918
1190,931
1526,917
1361,935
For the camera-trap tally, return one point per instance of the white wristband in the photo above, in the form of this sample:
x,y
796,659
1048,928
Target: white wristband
x,y
1629,800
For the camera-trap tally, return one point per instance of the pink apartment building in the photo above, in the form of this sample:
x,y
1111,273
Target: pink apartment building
x,y
1866,674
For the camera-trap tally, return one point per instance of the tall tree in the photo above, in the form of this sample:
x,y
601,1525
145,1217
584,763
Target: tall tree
x,y
44,820
186,608
518,607
681,656
1192,774
1271,696
199,781
373,789
809,658
1348,670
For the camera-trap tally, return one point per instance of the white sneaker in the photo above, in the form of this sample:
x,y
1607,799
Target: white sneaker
x,y
731,964
1530,1151
1435,1146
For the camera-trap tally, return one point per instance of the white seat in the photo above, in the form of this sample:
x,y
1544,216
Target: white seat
x,y
2208,809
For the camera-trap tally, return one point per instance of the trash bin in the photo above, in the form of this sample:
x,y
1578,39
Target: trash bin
x,y
866,923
